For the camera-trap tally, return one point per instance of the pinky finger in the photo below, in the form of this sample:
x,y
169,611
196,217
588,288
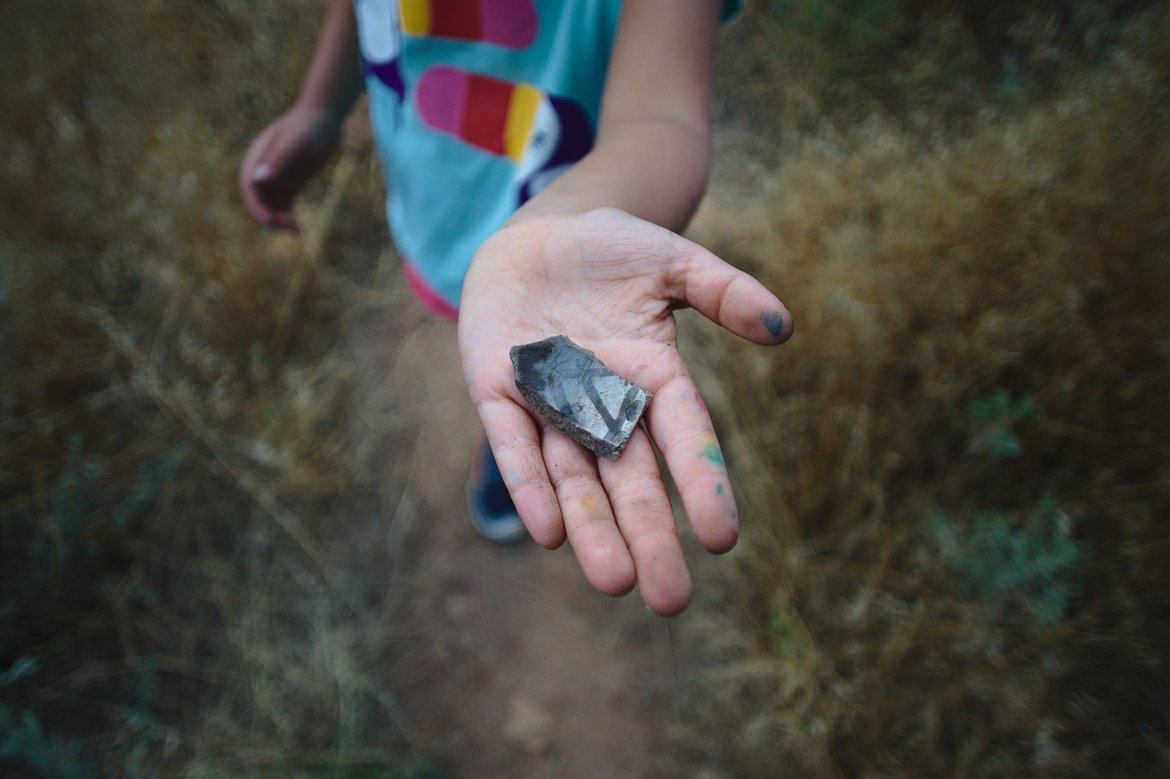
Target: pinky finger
x,y
515,442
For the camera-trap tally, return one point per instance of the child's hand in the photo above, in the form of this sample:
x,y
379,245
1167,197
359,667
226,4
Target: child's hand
x,y
609,282
282,158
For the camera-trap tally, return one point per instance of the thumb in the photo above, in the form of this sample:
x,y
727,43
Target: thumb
x,y
262,172
257,166
271,165
726,295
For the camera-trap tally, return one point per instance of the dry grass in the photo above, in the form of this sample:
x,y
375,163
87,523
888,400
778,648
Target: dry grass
x,y
195,547
186,472
1023,249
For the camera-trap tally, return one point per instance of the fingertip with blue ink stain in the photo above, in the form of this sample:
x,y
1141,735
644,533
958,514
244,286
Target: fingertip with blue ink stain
x,y
779,324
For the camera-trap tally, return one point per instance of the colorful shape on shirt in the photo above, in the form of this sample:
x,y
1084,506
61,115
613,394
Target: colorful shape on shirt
x,y
541,133
427,295
535,130
380,42
488,113
523,105
561,135
509,23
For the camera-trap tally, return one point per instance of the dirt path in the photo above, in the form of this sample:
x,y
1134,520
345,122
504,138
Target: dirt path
x,y
514,667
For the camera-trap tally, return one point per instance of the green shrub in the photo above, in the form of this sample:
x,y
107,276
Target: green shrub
x,y
1014,561
24,742
996,419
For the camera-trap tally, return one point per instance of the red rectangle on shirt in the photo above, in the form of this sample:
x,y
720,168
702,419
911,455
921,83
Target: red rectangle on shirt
x,y
458,19
485,114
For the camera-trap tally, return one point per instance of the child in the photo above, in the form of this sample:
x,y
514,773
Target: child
x,y
538,156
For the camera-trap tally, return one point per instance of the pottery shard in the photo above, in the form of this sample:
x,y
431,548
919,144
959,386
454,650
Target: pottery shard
x,y
578,395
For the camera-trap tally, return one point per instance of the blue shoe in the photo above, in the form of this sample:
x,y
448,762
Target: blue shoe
x,y
493,515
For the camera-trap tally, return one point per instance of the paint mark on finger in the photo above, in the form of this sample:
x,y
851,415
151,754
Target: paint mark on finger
x,y
773,322
720,489
712,455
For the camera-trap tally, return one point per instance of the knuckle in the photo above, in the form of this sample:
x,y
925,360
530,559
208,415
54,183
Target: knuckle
x,y
643,491
690,436
658,545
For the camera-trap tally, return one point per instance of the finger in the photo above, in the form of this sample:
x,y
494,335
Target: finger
x,y
256,174
726,295
681,426
276,187
248,178
289,162
589,522
279,202
644,516
515,443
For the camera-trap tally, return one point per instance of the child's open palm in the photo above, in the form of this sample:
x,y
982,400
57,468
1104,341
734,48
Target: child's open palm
x,y
609,281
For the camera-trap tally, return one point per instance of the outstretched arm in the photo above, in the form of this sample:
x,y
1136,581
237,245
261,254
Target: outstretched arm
x,y
653,139
593,257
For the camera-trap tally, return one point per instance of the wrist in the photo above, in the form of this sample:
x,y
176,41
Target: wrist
x,y
321,112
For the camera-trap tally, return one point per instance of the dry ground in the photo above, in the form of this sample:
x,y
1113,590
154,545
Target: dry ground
x,y
515,666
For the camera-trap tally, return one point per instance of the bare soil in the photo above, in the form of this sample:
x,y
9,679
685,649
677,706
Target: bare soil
x,y
513,666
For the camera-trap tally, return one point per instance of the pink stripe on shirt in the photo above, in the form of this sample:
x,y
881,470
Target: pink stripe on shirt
x,y
426,295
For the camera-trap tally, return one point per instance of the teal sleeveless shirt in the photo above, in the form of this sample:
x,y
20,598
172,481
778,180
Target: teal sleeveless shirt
x,y
476,105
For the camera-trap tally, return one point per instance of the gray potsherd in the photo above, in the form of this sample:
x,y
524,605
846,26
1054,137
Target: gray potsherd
x,y
578,395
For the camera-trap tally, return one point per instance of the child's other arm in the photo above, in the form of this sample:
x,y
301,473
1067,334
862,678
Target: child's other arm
x,y
588,257
290,150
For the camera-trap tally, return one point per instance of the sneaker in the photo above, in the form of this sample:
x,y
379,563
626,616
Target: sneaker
x,y
493,515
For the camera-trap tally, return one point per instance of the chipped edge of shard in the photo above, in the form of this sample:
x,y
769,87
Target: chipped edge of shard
x,y
563,422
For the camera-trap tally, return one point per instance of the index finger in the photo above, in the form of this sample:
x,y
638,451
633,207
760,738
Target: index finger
x,y
681,427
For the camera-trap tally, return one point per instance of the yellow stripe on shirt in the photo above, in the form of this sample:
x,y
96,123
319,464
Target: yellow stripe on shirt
x,y
416,16
521,116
